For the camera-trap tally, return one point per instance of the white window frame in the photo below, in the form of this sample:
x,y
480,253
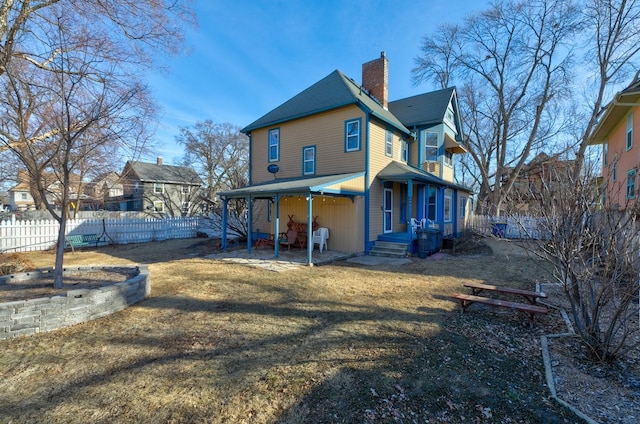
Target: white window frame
x,y
273,149
186,189
158,206
431,148
447,207
463,206
186,206
388,143
630,131
158,188
309,160
349,126
404,151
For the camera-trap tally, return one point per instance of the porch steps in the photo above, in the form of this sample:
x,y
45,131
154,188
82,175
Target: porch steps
x,y
389,249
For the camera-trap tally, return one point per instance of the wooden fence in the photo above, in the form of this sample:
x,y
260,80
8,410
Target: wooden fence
x,y
511,227
30,235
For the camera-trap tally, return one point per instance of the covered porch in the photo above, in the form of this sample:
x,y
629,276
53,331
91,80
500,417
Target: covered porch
x,y
293,200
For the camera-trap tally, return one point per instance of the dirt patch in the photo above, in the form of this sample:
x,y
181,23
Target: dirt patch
x,y
43,286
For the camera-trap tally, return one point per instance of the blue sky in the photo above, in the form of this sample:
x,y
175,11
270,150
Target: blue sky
x,y
248,57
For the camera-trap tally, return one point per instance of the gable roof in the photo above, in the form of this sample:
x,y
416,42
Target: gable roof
x,y
615,111
424,109
151,172
333,91
398,171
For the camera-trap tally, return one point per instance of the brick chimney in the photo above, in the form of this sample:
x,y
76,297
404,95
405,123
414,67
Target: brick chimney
x,y
159,160
375,79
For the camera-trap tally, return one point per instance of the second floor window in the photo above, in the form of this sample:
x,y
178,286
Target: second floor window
x,y
630,131
186,189
274,145
309,160
404,151
158,188
352,135
631,184
388,143
430,146
448,158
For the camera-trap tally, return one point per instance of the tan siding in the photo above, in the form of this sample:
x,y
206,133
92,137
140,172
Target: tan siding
x,y
354,185
323,130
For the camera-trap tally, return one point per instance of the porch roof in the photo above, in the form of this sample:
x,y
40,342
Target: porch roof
x,y
401,172
291,186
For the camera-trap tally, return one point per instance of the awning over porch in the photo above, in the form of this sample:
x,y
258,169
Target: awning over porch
x,y
352,184
401,172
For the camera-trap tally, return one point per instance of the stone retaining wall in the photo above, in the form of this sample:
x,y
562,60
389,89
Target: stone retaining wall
x,y
24,317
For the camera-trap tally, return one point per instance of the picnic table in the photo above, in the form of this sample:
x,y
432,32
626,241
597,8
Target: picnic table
x,y
531,309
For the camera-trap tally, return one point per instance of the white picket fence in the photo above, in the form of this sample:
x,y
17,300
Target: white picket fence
x,y
26,235
511,227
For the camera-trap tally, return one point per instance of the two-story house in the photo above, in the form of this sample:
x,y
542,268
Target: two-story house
x,y
339,155
617,132
163,190
21,195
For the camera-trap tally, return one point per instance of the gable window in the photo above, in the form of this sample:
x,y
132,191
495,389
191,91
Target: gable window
x,y
449,115
158,188
309,160
404,151
447,204
388,143
158,206
630,131
631,184
352,135
274,145
430,146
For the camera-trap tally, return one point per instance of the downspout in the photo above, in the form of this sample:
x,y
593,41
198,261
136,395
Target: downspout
x,y
225,211
367,186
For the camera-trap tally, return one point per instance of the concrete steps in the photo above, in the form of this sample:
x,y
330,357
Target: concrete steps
x,y
389,249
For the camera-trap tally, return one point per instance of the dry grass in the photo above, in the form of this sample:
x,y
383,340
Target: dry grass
x,y
339,343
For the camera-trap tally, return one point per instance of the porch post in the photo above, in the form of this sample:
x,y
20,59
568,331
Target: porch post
x,y
410,198
310,229
225,211
276,248
249,221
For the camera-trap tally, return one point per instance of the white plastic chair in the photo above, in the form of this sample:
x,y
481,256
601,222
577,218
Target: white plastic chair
x,y
320,237
415,225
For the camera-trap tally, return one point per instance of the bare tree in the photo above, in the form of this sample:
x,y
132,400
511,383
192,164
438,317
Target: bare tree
x,y
69,72
515,67
594,253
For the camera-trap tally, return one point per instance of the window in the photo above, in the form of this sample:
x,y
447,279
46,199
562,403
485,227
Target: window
x,y
185,206
309,160
23,196
158,206
448,158
447,204
186,189
630,131
631,184
431,212
614,169
430,146
605,153
449,115
352,135
404,151
463,206
158,188
274,145
388,143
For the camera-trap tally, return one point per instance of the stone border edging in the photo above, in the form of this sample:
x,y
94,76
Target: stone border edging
x,y
26,317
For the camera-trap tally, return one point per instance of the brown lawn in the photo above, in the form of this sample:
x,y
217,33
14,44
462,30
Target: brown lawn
x,y
340,343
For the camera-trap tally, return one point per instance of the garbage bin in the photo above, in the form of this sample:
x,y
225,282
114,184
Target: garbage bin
x,y
499,229
429,241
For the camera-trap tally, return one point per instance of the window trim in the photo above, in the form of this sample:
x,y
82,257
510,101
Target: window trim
x,y
160,186
404,150
436,146
186,189
305,161
157,203
358,135
629,132
447,210
631,183
463,207
275,131
388,143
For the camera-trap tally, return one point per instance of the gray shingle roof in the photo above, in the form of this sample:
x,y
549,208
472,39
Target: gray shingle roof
x,y
151,172
334,91
424,109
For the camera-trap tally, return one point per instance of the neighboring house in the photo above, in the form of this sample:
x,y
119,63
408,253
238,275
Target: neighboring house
x,y
617,132
538,179
20,197
339,155
102,188
159,189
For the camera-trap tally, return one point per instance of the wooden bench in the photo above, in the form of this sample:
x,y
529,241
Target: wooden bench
x,y
82,240
467,299
531,296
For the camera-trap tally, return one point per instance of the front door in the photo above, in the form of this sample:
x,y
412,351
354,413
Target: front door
x,y
388,210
